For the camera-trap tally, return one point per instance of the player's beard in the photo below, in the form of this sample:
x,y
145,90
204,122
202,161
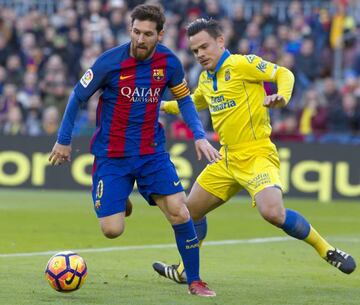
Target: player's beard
x,y
142,52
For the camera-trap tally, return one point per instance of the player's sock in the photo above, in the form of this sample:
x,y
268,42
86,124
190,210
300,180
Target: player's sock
x,y
297,226
201,232
201,228
188,246
318,242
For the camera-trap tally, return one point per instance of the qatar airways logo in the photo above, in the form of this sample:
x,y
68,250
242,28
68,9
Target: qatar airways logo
x,y
141,95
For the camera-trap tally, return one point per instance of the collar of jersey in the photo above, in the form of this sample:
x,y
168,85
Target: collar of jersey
x,y
223,57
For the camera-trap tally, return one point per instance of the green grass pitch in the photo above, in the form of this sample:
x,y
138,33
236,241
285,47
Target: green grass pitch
x,y
253,269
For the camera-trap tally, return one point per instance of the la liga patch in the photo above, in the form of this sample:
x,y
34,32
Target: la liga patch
x,y
87,78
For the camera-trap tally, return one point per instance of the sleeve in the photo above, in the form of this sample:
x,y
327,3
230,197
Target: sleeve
x,y
199,99
178,86
285,80
67,124
177,83
256,69
172,107
93,79
191,117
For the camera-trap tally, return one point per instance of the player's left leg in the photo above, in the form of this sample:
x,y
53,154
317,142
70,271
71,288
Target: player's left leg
x,y
129,208
270,205
161,186
175,210
199,203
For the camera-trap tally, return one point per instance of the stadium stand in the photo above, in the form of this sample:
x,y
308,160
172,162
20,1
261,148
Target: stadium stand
x,y
45,47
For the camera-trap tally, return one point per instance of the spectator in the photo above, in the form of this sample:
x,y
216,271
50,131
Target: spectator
x,y
42,56
50,121
331,93
313,116
14,123
86,124
239,26
14,70
3,76
4,50
306,64
33,117
344,122
286,129
7,101
268,22
28,89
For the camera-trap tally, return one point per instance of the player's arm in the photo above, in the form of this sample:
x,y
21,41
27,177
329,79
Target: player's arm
x,y
181,92
284,79
191,118
172,107
84,89
61,151
257,69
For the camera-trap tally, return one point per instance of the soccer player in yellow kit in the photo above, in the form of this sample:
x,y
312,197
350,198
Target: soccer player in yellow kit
x,y
232,88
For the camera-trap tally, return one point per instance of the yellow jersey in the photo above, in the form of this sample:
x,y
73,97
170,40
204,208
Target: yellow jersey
x,y
234,94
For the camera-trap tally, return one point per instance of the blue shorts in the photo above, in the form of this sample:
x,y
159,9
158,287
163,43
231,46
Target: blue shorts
x,y
113,180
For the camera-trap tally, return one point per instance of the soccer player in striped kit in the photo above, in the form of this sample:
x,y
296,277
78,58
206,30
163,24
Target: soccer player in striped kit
x,y
129,142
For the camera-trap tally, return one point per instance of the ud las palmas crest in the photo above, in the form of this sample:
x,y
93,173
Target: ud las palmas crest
x,y
158,74
227,75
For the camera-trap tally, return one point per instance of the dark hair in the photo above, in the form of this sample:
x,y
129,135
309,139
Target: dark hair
x,y
149,12
211,26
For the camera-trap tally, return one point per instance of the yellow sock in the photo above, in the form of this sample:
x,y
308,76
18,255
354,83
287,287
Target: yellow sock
x,y
319,243
180,268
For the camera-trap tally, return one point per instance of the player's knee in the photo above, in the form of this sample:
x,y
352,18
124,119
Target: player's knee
x,y
196,216
112,231
274,215
180,214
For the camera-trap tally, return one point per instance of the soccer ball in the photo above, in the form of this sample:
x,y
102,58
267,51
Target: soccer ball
x,y
66,271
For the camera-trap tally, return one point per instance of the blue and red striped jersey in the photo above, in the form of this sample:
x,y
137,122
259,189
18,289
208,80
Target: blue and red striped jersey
x,y
128,110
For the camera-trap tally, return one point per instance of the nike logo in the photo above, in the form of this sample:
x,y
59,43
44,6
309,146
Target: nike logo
x,y
176,183
68,282
122,77
190,240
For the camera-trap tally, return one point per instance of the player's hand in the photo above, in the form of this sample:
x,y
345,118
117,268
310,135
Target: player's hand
x,y
162,106
203,147
274,101
60,154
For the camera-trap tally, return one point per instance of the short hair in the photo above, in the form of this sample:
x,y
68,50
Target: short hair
x,y
149,12
211,26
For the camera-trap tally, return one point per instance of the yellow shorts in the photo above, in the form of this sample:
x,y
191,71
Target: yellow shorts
x,y
251,166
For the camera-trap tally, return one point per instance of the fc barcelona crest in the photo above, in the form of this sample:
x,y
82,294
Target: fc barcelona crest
x,y
227,75
158,74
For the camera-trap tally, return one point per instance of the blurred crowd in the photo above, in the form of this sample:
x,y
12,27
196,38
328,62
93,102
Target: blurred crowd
x,y
42,56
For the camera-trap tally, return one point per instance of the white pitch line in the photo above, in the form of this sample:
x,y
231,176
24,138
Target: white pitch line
x,y
160,246
168,246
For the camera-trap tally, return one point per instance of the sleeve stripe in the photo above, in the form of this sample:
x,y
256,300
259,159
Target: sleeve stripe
x,y
179,97
180,92
274,71
178,86
182,88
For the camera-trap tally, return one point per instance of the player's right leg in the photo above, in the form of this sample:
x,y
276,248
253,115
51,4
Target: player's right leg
x,y
199,203
270,205
112,226
112,186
